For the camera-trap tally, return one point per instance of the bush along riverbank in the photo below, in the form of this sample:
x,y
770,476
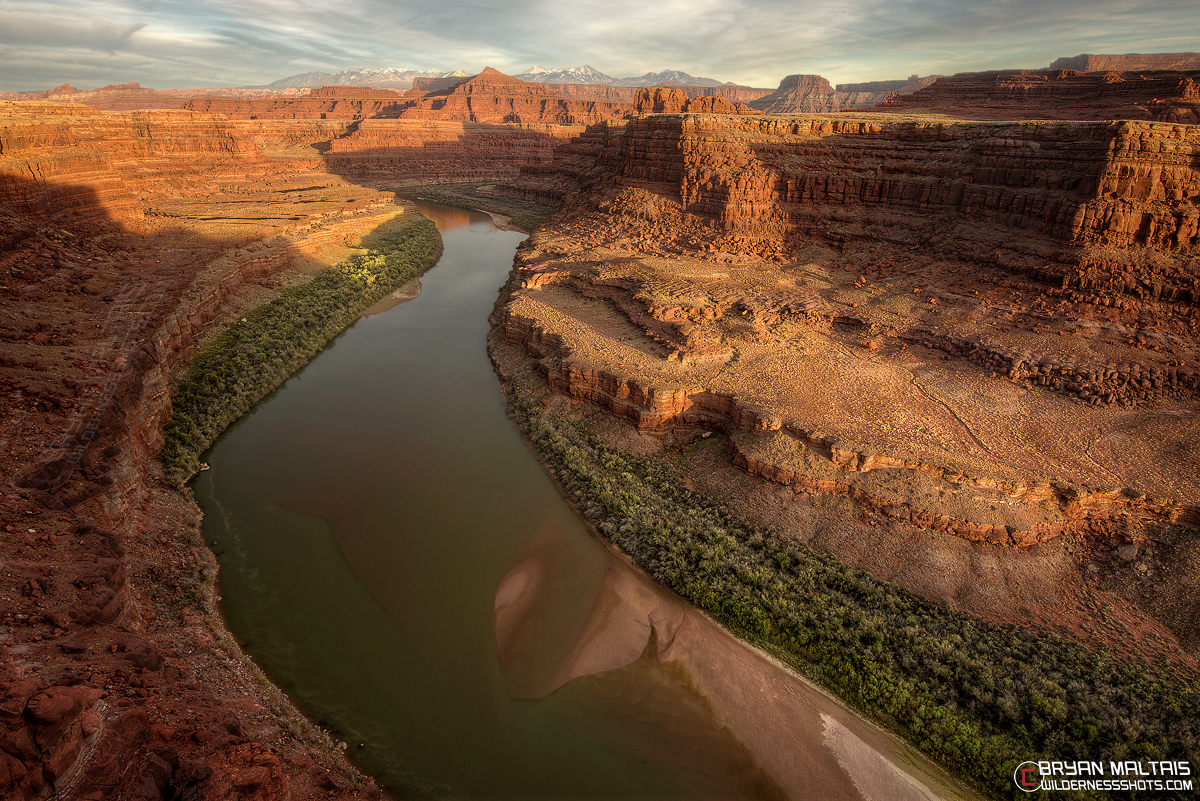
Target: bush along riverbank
x,y
978,698
256,355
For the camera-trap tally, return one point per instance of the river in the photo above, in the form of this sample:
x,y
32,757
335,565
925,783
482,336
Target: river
x,y
397,560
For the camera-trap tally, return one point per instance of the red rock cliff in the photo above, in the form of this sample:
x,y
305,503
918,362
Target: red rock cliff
x,y
800,282
1129,61
68,150
441,150
119,250
670,100
494,97
114,97
902,87
628,94
327,103
1060,191
490,96
1166,96
808,94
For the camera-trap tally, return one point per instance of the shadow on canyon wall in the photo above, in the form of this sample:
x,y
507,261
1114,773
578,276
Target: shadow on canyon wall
x,y
382,152
105,307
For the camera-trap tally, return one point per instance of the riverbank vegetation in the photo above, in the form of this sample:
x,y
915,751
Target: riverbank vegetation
x,y
258,353
976,697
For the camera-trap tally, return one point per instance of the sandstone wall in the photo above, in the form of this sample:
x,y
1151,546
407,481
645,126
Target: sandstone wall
x,y
799,94
736,94
80,742
435,150
607,93
1058,184
629,94
902,87
73,186
68,161
1087,212
812,94
313,106
58,159
492,96
1129,61
1096,213
669,100
423,84
489,97
1164,96
114,97
480,99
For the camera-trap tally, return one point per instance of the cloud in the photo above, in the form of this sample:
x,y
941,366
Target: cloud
x,y
166,43
34,30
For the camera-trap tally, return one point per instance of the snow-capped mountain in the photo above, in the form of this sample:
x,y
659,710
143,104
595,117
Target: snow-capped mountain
x,y
385,78
584,74
401,79
591,75
668,76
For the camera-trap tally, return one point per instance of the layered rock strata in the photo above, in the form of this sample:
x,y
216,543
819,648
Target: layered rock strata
x,y
124,237
394,151
661,100
629,94
799,94
70,160
328,103
133,96
489,97
428,139
1129,61
901,87
984,330
478,130
494,97
1163,96
114,97
808,94
608,93
422,84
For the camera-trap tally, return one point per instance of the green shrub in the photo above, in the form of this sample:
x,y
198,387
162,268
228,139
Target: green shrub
x,y
526,222
977,697
251,358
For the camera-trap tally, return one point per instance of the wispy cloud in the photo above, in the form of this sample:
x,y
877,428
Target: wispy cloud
x,y
178,43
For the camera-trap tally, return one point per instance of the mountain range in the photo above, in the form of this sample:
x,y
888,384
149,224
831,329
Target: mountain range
x,y
590,75
669,76
583,75
392,78
385,78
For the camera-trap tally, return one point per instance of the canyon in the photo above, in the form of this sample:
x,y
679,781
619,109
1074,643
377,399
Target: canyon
x,y
958,352
489,96
903,313
126,237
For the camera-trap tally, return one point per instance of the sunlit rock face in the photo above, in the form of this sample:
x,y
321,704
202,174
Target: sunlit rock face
x,y
943,324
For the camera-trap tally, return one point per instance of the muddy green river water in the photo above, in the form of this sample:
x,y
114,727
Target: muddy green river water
x,y
396,559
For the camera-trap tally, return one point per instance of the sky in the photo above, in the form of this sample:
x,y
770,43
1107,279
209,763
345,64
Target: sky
x,y
167,44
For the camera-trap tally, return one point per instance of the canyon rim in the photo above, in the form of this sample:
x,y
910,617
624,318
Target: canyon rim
x,y
948,342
